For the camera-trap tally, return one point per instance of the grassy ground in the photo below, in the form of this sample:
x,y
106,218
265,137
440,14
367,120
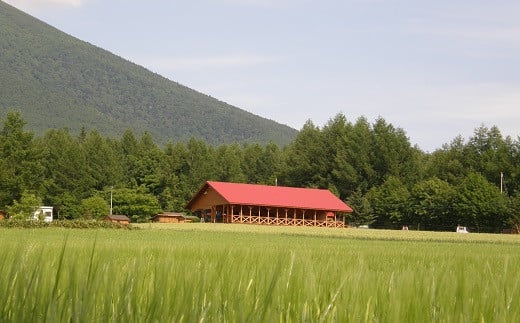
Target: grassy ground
x,y
237,273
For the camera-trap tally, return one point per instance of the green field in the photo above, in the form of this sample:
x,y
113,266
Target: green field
x,y
238,273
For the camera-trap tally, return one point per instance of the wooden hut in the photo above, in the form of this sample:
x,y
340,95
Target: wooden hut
x,y
169,217
268,205
3,214
123,219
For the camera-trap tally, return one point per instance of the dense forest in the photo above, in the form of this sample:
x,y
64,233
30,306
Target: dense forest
x,y
373,167
57,81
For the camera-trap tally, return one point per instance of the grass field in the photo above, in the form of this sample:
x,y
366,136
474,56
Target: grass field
x,y
240,273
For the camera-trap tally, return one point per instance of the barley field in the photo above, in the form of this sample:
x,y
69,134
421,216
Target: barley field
x,y
238,273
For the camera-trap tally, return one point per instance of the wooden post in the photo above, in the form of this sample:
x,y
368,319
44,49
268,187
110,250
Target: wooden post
x,y
227,210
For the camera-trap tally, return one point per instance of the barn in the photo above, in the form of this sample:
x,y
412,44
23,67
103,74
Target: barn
x,y
268,205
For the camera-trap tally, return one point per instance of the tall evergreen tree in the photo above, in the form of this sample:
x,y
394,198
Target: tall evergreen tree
x,y
393,155
200,162
21,161
173,172
68,177
304,159
102,161
361,150
338,158
261,165
228,163
488,153
448,163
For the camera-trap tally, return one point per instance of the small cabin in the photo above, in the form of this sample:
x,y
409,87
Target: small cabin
x,y
169,217
3,215
122,219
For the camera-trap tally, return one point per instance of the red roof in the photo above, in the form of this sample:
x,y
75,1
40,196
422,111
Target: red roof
x,y
276,196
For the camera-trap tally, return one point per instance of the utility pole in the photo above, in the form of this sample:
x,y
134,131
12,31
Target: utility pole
x,y
111,187
501,182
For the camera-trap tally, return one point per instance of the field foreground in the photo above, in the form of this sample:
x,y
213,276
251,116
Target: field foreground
x,y
238,273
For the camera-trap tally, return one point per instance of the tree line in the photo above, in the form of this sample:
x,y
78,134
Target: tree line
x,y
371,166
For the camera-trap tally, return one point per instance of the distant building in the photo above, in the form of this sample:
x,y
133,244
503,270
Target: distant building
x,y
169,217
43,212
269,205
123,219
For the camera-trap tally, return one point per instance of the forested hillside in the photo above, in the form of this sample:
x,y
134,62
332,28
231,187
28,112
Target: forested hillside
x,y
58,81
373,167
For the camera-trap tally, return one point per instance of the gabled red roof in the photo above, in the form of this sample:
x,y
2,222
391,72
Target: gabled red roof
x,y
276,196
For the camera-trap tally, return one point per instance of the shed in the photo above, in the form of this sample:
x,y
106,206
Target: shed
x,y
169,217
269,205
3,214
123,219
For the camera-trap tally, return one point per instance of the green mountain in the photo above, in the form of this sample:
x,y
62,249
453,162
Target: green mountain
x,y
56,81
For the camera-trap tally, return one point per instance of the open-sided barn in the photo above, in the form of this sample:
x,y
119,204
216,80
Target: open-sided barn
x,y
269,205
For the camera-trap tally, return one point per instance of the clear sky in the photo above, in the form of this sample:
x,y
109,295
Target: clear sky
x,y
437,69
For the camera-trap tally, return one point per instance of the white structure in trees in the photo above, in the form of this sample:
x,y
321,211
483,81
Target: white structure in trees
x,y
461,229
43,212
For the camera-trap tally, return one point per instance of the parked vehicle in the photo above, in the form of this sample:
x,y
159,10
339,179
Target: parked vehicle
x,y
461,229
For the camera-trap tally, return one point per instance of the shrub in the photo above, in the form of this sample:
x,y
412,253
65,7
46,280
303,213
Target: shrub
x,y
72,224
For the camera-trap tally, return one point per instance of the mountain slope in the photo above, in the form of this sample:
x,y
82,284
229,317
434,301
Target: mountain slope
x,y
57,81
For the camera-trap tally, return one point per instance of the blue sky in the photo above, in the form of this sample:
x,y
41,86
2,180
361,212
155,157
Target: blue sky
x,y
437,69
